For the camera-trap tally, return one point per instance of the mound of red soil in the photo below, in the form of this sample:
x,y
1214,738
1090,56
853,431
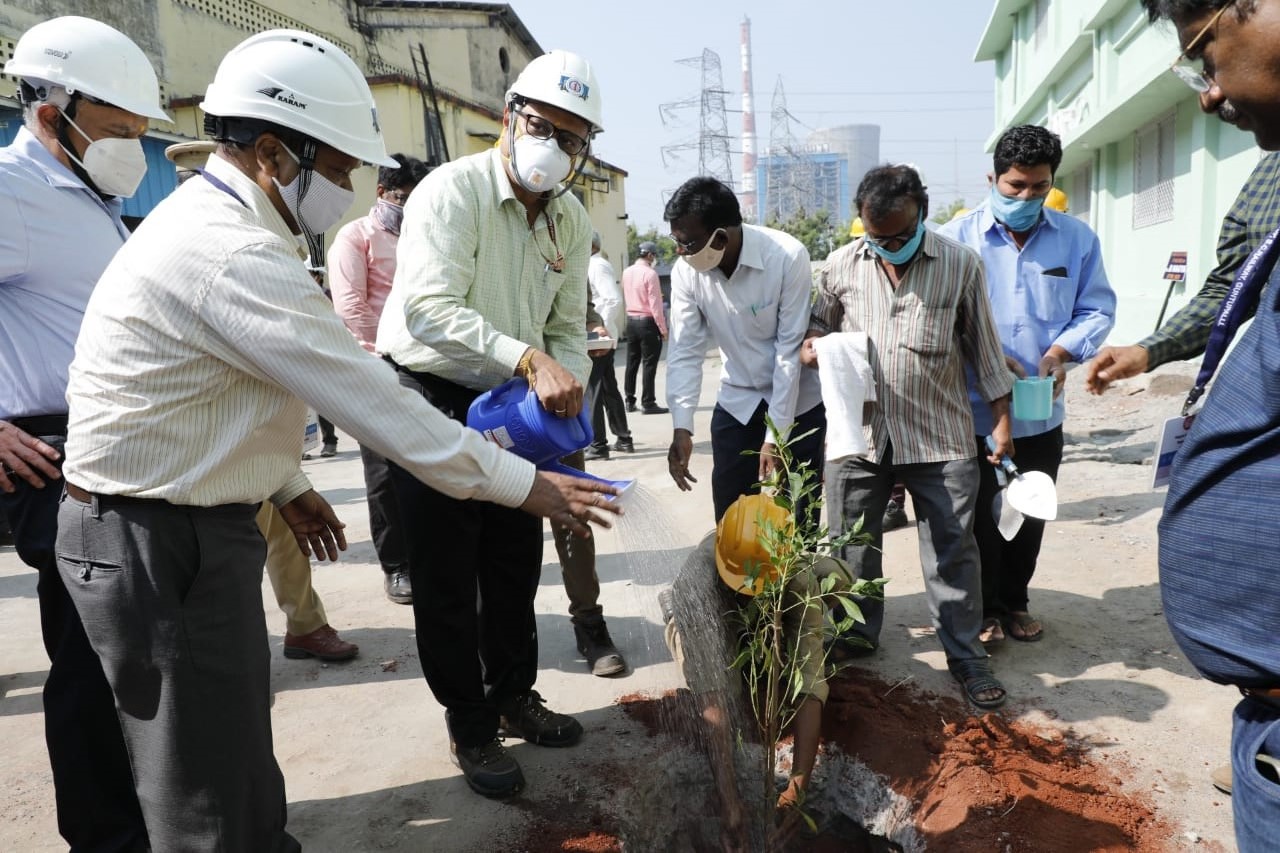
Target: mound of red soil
x,y
979,783
985,783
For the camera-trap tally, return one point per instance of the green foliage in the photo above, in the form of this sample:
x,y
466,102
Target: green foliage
x,y
772,658
820,232
942,217
666,248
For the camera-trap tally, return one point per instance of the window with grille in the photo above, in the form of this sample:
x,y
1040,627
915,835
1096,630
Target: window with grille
x,y
1153,173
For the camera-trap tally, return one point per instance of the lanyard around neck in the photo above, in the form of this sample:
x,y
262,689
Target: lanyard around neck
x,y
1241,302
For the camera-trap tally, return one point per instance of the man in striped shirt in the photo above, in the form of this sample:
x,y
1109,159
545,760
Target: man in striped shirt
x,y
921,300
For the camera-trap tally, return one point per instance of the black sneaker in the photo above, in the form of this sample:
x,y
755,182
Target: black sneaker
x,y
625,445
597,452
631,405
603,658
488,769
528,717
895,516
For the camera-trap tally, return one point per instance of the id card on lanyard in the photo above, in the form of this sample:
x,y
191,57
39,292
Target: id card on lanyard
x,y
1241,302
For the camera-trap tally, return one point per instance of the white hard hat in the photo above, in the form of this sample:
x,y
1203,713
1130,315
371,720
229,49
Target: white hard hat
x,y
564,80
87,56
301,82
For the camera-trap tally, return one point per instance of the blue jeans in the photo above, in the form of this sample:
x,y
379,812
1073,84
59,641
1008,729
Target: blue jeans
x,y
1255,793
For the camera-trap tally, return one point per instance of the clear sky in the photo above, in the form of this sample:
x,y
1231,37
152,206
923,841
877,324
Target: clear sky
x,y
905,65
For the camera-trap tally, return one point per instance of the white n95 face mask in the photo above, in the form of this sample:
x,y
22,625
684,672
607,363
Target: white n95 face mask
x,y
322,206
540,164
116,166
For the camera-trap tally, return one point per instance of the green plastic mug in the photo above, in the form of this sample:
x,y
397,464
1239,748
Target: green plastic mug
x,y
1033,399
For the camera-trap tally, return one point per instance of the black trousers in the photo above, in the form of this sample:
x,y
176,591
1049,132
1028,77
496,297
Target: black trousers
x,y
1007,567
644,346
384,512
327,434
475,568
602,391
734,474
92,782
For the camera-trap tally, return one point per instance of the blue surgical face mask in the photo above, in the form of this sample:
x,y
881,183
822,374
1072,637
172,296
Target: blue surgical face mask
x,y
1018,214
908,250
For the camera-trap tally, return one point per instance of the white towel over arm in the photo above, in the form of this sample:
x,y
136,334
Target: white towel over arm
x,y
846,384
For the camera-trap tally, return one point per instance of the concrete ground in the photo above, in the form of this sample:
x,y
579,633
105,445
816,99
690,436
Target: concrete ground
x,y
363,745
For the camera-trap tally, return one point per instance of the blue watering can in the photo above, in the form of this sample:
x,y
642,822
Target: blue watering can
x,y
512,417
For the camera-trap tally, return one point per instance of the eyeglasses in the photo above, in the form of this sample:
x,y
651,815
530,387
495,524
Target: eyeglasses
x,y
900,239
539,128
1187,71
694,246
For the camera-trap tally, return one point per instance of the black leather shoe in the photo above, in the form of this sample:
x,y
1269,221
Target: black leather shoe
x,y
527,716
398,587
895,516
595,644
488,769
631,405
594,452
625,445
655,410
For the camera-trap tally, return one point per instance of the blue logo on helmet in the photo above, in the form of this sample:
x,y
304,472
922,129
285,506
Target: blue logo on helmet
x,y
574,86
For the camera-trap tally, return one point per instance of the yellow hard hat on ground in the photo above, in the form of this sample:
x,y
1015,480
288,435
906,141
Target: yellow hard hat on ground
x,y
738,545
1057,200
857,229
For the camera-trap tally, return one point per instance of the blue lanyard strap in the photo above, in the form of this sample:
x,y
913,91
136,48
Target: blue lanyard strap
x,y
217,182
1241,302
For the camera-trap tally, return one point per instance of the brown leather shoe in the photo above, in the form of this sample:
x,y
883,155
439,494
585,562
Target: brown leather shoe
x,y
323,643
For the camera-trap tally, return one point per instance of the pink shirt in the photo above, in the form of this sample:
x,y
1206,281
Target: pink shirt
x,y
362,265
643,293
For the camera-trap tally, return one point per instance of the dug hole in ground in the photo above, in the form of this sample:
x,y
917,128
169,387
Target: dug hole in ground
x,y
1106,744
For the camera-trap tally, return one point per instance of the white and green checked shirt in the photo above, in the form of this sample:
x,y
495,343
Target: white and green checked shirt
x,y
473,289
920,338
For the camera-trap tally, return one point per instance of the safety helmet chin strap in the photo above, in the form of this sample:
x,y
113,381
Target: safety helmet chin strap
x,y
307,165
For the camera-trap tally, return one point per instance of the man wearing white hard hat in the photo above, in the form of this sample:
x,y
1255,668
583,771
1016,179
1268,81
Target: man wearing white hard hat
x,y
87,93
491,282
203,339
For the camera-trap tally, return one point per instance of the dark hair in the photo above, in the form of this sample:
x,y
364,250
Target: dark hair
x,y
713,203
885,187
1027,145
409,173
1181,9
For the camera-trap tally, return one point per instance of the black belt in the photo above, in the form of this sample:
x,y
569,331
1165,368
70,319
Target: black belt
x,y
42,424
87,497
1268,695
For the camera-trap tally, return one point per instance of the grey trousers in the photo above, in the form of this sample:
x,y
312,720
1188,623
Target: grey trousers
x,y
944,495
171,600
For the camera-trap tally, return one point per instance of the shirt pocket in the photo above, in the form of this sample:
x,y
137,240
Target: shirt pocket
x,y
1052,298
930,328
762,317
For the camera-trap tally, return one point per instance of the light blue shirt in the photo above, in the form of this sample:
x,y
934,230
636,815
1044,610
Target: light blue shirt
x,y
56,238
1052,291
